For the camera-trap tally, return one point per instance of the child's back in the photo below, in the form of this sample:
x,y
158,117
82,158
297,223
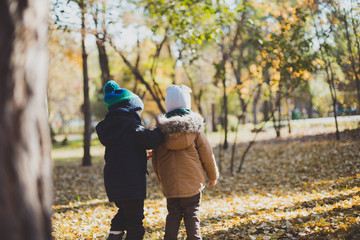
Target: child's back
x,y
125,141
125,167
179,162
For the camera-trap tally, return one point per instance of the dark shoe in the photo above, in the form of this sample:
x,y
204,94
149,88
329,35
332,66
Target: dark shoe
x,y
115,236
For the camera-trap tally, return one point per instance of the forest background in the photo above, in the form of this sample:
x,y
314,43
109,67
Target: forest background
x,y
246,61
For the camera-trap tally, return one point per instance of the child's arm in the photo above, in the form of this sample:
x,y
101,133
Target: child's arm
x,y
148,138
207,158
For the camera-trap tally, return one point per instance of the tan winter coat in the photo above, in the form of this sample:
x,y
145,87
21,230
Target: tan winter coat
x,y
180,161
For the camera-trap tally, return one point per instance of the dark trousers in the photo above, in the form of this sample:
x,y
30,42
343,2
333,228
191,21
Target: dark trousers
x,y
187,209
129,217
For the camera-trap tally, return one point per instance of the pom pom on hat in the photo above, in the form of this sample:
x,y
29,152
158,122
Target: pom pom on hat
x,y
110,86
114,95
178,96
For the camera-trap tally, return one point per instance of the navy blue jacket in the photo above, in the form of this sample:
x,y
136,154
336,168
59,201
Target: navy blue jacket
x,y
126,141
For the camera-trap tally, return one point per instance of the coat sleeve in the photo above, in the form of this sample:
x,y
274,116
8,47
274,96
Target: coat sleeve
x,y
155,164
207,157
148,138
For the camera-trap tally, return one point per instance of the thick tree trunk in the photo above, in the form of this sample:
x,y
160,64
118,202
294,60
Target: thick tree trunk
x,y
25,144
86,108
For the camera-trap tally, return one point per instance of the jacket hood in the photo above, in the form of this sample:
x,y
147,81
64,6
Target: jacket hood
x,y
190,123
115,124
180,131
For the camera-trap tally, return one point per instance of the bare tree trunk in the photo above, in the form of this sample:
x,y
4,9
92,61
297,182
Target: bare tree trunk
x,y
256,100
103,60
332,87
213,117
330,78
25,144
265,110
277,122
311,106
355,24
100,36
233,149
86,108
288,104
266,104
221,75
352,58
225,146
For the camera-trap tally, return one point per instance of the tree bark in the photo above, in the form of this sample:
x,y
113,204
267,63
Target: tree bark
x,y
213,117
265,110
103,60
266,103
356,35
288,106
25,144
277,122
86,108
352,59
225,99
255,103
332,87
100,36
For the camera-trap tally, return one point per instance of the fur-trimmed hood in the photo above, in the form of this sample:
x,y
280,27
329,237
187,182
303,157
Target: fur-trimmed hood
x,y
180,131
190,123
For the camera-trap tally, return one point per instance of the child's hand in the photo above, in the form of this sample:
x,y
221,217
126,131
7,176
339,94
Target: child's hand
x,y
148,155
213,183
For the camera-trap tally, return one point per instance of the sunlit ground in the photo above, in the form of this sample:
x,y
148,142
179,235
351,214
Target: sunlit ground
x,y
308,188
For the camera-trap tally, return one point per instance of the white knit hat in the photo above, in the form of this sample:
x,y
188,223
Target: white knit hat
x,y
178,96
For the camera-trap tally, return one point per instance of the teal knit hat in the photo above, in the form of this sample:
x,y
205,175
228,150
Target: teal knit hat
x,y
116,95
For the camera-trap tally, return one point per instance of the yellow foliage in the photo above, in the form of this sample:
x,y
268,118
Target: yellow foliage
x,y
253,69
276,76
276,63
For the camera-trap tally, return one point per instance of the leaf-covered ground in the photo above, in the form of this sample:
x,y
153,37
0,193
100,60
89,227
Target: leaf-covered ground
x,y
303,187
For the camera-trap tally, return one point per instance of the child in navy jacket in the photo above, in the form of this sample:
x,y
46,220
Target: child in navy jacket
x,y
125,140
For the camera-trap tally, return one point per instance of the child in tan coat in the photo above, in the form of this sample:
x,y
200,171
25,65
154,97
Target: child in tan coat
x,y
180,162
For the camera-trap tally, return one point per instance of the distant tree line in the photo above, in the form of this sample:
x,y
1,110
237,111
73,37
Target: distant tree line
x,y
245,60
